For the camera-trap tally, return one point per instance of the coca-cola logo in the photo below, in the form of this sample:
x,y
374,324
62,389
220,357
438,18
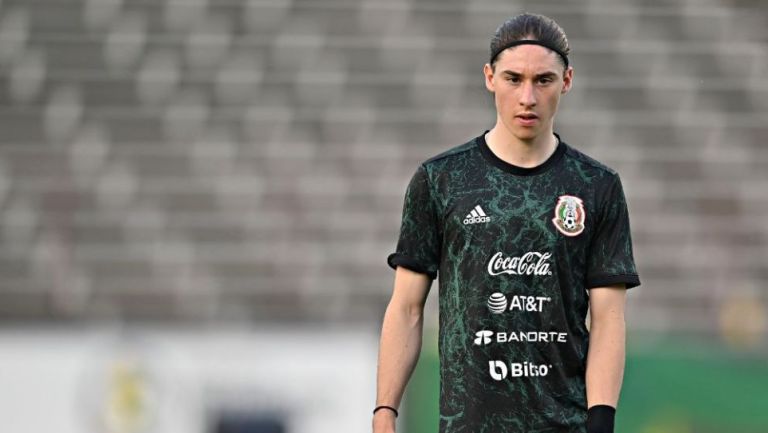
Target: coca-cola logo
x,y
530,263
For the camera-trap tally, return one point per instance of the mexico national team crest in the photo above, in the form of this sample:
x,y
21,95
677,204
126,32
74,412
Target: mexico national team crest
x,y
569,215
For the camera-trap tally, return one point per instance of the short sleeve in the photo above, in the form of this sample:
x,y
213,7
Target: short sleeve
x,y
418,247
610,259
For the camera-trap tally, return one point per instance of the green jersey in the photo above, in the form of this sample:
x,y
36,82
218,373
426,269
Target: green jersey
x,y
516,250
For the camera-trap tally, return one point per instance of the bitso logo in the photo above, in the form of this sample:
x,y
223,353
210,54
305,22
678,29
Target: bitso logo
x,y
476,216
483,337
499,371
569,215
497,303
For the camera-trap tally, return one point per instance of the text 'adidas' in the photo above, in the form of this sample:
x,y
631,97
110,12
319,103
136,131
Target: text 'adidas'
x,y
476,216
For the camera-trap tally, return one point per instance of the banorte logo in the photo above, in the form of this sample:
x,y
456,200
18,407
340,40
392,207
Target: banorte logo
x,y
530,263
483,337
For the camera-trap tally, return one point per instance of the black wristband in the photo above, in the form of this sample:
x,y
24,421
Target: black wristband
x,y
386,407
600,419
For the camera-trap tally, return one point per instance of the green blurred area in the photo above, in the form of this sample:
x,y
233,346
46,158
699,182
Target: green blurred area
x,y
671,385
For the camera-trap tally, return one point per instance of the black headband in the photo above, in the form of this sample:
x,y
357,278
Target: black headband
x,y
529,42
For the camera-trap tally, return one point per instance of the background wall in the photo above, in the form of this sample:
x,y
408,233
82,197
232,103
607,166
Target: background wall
x,y
178,164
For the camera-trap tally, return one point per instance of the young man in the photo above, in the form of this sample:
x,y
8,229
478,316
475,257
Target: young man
x,y
527,234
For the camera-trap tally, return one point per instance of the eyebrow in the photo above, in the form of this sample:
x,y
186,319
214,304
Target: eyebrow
x,y
541,75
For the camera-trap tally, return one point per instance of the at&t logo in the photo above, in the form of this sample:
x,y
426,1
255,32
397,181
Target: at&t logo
x,y
497,303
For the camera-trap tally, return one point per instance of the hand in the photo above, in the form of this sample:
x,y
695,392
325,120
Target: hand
x,y
384,421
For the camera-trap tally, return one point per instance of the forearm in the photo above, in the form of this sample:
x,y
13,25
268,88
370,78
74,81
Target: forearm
x,y
605,361
399,350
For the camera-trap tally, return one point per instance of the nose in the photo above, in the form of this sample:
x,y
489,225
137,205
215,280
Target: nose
x,y
527,95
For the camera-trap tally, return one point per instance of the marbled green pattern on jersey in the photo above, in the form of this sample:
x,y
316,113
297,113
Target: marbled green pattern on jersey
x,y
513,289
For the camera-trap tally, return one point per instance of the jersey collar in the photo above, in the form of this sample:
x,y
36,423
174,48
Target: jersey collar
x,y
517,170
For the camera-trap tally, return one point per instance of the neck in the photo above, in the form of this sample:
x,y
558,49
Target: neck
x,y
522,153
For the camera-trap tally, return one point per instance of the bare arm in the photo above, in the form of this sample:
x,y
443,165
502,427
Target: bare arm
x,y
606,356
400,344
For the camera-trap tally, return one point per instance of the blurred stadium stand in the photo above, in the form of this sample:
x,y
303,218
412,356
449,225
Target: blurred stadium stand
x,y
246,160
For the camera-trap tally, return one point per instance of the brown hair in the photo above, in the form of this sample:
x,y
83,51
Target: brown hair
x,y
529,26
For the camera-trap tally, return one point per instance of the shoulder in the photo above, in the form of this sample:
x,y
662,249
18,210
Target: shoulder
x,y
450,156
604,181
590,169
586,161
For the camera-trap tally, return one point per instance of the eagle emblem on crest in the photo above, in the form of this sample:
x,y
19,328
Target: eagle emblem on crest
x,y
569,215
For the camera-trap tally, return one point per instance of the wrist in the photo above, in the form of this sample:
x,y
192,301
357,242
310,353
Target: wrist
x,y
384,422
385,408
600,419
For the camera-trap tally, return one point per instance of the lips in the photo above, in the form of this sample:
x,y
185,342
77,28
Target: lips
x,y
527,119
527,116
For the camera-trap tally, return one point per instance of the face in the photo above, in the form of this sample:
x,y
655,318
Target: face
x,y
527,86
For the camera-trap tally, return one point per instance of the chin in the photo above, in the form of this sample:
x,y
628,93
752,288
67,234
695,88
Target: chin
x,y
526,133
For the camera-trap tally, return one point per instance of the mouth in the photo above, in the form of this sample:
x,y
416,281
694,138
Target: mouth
x,y
527,119
527,116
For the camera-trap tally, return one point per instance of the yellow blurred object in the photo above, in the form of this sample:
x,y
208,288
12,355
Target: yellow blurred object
x,y
742,321
126,402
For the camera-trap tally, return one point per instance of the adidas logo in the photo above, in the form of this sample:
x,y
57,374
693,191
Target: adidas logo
x,y
476,216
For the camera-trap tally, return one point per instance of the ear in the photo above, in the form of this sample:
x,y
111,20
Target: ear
x,y
488,75
567,80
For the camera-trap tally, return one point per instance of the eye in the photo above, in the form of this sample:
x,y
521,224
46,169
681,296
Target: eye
x,y
513,79
545,80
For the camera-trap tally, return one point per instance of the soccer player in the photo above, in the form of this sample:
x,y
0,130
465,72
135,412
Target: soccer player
x,y
526,234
